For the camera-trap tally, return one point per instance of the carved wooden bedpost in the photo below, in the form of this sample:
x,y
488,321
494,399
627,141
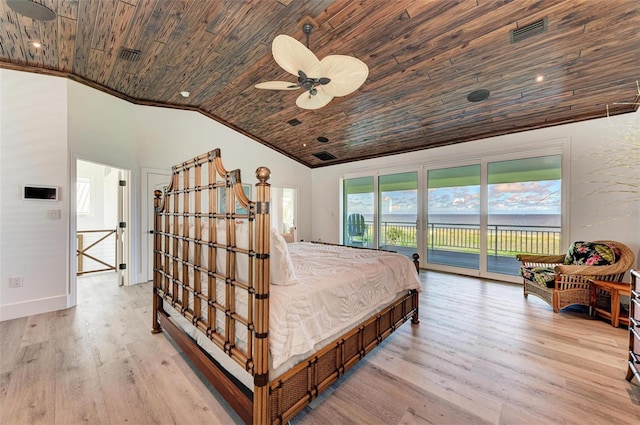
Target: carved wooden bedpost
x,y
157,260
261,348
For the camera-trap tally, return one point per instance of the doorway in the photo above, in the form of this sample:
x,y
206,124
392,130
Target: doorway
x,y
101,239
284,201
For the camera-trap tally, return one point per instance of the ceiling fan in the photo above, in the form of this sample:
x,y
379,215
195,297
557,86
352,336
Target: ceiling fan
x,y
322,80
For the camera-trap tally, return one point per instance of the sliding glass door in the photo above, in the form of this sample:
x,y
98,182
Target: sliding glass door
x,y
523,210
453,217
398,212
381,212
480,216
471,218
358,211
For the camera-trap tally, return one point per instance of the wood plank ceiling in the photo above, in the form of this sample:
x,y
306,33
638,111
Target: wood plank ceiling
x,y
424,56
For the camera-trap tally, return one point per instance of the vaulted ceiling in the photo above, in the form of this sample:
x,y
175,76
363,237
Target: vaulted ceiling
x,y
425,57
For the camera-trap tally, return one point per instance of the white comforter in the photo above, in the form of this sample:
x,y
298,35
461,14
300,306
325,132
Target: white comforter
x,y
339,287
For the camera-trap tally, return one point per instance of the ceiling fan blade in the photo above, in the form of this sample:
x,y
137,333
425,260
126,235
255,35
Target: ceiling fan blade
x,y
347,74
277,85
309,101
293,56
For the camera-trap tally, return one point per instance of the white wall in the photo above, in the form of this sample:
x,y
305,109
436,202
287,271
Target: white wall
x,y
597,209
33,146
48,123
167,137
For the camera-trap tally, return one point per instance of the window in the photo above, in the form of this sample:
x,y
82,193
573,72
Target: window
x,y
398,212
453,216
382,212
523,210
480,216
83,196
472,217
358,211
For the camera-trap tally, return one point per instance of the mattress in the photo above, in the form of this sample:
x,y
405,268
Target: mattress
x,y
337,288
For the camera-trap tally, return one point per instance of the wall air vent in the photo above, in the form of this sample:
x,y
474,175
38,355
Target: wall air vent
x,y
130,54
527,31
324,156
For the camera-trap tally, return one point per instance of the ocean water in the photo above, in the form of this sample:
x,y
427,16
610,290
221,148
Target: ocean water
x,y
552,220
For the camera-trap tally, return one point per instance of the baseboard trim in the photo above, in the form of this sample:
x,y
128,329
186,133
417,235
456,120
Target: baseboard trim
x,y
31,307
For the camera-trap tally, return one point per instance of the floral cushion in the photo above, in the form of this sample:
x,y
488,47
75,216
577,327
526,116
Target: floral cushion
x,y
591,254
544,276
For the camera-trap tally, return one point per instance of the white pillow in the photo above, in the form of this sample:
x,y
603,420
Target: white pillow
x,y
281,270
280,266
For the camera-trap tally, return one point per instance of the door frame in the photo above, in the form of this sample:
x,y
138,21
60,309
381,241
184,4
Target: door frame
x,y
125,276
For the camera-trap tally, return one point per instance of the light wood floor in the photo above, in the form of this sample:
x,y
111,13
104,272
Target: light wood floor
x,y
482,354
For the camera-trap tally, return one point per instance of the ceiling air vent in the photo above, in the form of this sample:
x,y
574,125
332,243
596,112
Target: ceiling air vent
x,y
527,31
294,122
129,54
324,156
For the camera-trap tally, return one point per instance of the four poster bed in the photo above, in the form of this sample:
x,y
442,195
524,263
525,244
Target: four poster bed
x,y
271,325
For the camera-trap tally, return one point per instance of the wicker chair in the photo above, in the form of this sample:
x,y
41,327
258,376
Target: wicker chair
x,y
571,283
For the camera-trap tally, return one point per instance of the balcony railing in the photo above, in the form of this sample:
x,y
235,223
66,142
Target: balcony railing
x,y
502,240
396,233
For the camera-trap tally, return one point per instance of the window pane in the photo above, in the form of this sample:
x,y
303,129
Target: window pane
x,y
398,212
358,211
83,196
453,216
524,210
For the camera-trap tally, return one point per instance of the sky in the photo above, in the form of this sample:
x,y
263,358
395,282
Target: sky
x,y
537,197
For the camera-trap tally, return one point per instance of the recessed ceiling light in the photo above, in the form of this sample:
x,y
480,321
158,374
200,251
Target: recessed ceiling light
x,y
304,145
35,44
478,95
322,139
540,78
185,93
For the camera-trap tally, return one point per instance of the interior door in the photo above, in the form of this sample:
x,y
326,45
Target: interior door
x,y
156,180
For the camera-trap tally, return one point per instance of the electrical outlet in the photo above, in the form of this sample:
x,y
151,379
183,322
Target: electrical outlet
x,y
15,282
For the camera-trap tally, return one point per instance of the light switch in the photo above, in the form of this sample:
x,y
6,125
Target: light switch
x,y
54,214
